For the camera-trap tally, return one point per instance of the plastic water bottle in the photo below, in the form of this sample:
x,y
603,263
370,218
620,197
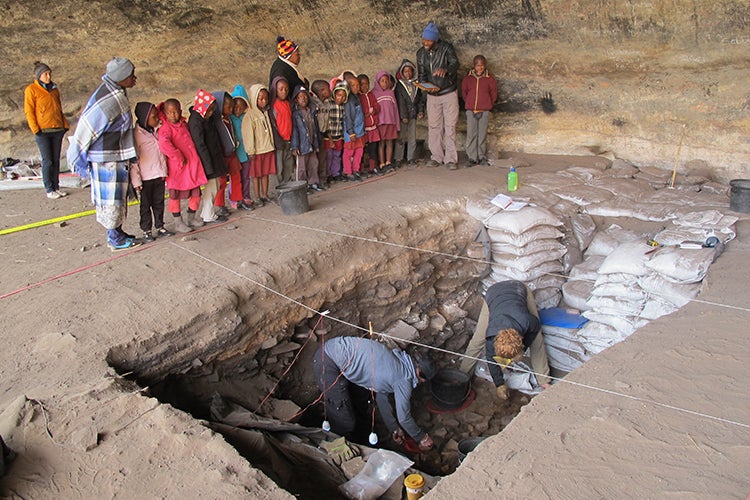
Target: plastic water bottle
x,y
512,179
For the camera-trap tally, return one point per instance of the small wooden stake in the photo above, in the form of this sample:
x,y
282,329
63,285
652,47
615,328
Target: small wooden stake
x,y
677,160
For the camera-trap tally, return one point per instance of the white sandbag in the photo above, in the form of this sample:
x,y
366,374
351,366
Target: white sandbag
x,y
584,228
682,265
546,281
599,334
546,182
547,297
678,294
576,293
620,290
564,338
629,279
563,209
563,361
624,207
614,305
480,208
604,242
621,168
676,235
623,324
629,257
573,255
585,174
588,269
582,194
501,273
527,262
632,189
519,240
706,219
535,246
656,308
520,221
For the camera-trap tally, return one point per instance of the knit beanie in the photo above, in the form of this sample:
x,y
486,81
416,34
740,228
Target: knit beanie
x,y
39,68
119,68
431,32
202,102
285,47
142,110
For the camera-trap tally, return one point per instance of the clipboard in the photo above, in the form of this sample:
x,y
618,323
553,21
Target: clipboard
x,y
426,86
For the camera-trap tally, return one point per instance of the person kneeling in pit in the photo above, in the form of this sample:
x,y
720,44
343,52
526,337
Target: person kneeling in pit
x,y
508,324
371,365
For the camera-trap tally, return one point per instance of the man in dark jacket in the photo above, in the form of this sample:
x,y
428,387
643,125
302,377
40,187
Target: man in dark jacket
x,y
411,103
437,64
286,65
509,318
371,365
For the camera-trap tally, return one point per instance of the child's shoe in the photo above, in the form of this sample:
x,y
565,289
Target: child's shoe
x,y
53,195
163,232
180,226
126,245
194,221
222,211
148,237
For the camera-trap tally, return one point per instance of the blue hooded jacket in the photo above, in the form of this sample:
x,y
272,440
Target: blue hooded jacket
x,y
240,92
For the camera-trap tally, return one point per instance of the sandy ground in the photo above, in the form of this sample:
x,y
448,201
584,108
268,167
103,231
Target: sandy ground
x,y
89,433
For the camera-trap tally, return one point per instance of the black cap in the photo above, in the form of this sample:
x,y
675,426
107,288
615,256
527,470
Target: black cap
x,y
426,365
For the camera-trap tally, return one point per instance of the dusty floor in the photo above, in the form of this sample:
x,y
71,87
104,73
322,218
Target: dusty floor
x,y
89,433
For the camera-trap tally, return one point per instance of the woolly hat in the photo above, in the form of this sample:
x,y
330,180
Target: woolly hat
x,y
202,102
431,32
119,68
423,361
142,110
39,68
285,47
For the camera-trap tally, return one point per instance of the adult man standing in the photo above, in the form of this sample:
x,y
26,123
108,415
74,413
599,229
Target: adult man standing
x,y
371,365
102,148
508,324
437,64
286,65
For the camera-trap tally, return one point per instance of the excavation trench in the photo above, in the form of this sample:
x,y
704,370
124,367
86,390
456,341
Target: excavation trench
x,y
255,348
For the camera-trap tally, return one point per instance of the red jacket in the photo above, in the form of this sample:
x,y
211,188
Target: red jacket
x,y
479,92
183,163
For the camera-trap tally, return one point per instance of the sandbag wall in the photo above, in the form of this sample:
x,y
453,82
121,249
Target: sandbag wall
x,y
565,246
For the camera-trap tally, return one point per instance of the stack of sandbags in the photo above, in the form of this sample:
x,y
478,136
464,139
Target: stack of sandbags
x,y
562,341
525,246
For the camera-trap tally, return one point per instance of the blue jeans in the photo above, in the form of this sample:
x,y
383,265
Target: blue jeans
x,y
50,144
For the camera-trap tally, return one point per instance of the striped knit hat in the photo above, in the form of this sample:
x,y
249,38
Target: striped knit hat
x,y
285,47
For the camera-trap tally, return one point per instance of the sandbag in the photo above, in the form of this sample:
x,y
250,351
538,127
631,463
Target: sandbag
x,y
678,294
520,221
541,245
596,337
584,228
480,208
576,293
614,305
631,189
655,308
620,290
629,258
682,265
527,262
588,269
536,233
546,281
561,360
626,325
547,297
500,273
583,195
604,242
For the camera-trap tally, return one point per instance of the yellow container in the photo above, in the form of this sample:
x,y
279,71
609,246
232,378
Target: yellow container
x,y
414,484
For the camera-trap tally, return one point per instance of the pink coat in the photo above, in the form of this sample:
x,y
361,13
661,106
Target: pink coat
x,y
151,162
185,171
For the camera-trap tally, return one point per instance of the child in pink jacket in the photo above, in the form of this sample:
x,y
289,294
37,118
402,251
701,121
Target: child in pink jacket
x,y
186,175
148,173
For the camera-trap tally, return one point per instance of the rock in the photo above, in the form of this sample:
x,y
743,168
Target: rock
x,y
423,323
284,348
189,237
230,227
385,291
423,272
403,331
62,224
439,433
451,311
196,363
352,467
450,445
269,343
85,438
282,409
472,418
437,323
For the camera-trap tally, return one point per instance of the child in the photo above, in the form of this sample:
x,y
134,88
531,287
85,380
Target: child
x,y
281,119
479,90
321,98
334,137
411,103
257,136
389,123
241,103
229,145
185,172
370,108
148,173
354,129
305,138
207,142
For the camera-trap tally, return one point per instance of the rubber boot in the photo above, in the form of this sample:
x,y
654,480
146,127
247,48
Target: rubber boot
x,y
180,226
194,221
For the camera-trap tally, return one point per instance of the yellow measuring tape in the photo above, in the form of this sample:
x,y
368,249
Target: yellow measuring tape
x,y
54,221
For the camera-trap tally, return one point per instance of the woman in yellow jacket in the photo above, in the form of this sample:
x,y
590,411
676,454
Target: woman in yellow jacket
x,y
43,109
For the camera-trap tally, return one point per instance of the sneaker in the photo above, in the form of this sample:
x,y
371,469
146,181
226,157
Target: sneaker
x,y
451,166
53,195
350,177
126,245
432,163
162,232
147,237
217,219
317,187
223,211
244,206
127,235
471,163
61,193
484,162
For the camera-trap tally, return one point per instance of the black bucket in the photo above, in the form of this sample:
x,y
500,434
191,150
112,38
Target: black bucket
x,y
293,197
467,445
450,388
739,196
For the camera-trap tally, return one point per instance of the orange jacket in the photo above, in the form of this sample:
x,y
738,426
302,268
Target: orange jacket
x,y
43,108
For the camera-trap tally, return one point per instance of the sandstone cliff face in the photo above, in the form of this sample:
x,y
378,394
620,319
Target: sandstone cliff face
x,y
625,75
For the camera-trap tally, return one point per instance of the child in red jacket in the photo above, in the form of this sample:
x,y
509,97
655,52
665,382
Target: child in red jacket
x,y
479,90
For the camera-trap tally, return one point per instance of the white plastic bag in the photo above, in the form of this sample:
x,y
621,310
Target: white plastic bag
x,y
382,468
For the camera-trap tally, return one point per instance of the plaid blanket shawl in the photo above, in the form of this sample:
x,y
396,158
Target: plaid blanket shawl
x,y
105,130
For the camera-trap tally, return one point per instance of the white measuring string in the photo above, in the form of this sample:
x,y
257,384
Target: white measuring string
x,y
438,349
458,257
